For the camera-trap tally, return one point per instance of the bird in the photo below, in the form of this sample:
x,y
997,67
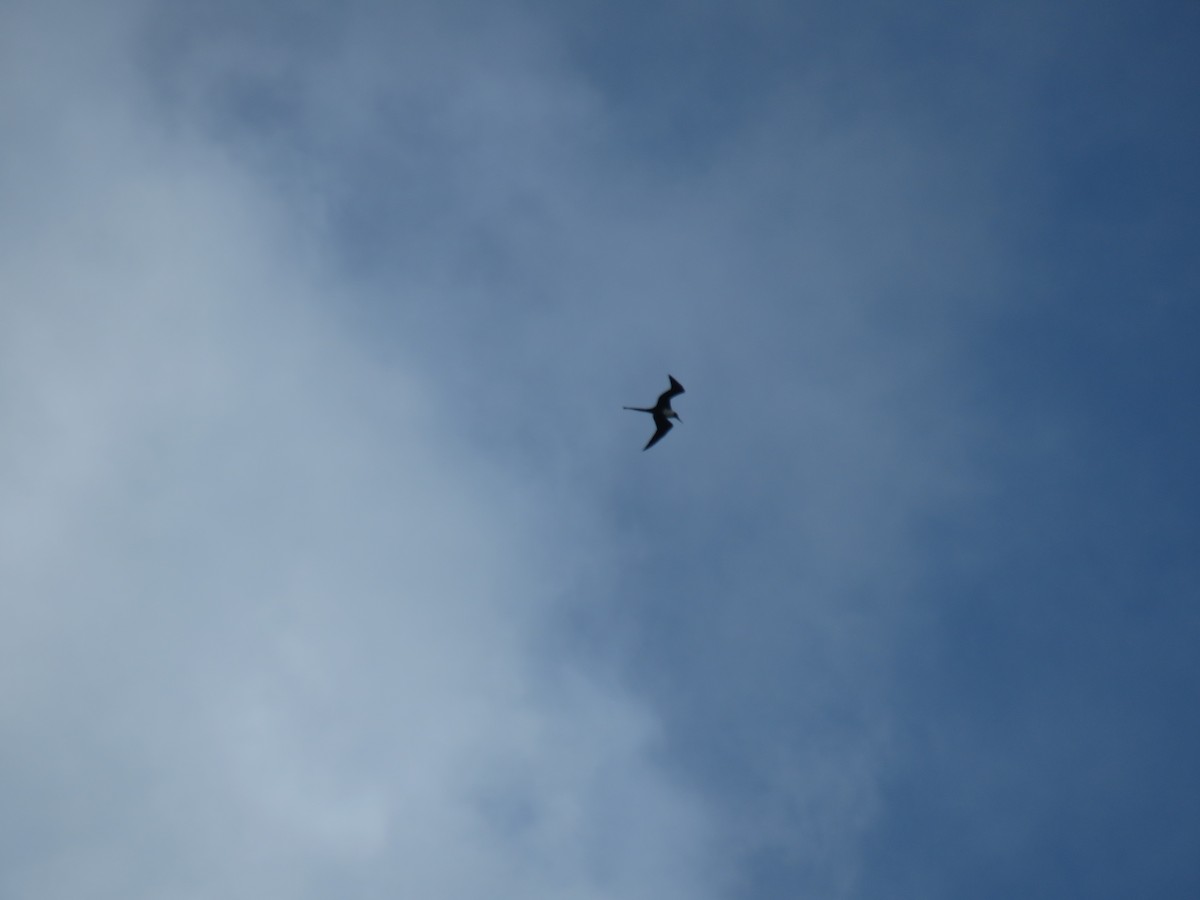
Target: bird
x,y
662,412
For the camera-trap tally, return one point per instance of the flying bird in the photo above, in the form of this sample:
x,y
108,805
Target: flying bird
x,y
662,412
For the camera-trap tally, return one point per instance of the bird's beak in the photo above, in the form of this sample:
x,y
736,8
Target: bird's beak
x,y
677,419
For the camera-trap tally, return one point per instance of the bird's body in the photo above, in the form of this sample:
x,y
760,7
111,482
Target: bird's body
x,y
662,412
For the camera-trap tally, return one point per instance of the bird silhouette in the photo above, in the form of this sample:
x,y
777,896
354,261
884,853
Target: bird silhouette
x,y
662,412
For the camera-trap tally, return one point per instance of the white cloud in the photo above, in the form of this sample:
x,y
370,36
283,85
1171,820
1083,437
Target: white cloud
x,y
269,627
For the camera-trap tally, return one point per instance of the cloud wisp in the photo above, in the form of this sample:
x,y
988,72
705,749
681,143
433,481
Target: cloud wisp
x,y
269,626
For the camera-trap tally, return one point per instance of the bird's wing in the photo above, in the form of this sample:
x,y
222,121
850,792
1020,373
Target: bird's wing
x,y
661,426
664,399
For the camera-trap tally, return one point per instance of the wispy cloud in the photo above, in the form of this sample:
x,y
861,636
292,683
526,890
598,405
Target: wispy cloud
x,y
270,625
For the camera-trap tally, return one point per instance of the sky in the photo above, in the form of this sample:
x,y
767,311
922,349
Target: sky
x,y
331,567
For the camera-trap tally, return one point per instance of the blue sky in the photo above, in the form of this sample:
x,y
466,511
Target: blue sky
x,y
330,565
